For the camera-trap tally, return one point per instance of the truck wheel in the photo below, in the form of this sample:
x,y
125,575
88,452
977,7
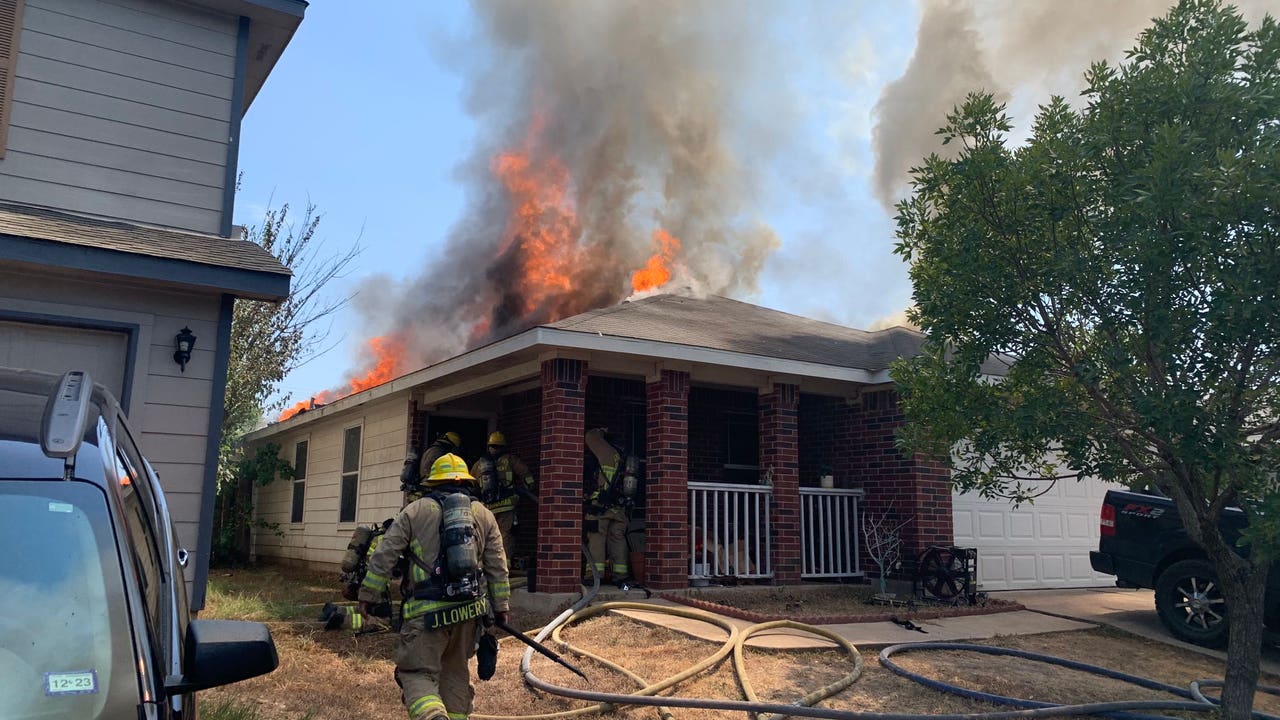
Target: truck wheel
x,y
1190,603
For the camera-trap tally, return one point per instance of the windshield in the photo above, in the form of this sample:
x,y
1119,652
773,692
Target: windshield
x,y
65,645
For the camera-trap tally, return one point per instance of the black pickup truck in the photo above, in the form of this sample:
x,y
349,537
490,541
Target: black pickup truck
x,y
1145,546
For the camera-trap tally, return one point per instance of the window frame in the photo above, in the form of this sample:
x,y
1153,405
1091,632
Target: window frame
x,y
344,474
299,484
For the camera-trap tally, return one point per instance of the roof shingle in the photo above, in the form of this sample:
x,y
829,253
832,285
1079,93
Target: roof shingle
x,y
50,225
724,324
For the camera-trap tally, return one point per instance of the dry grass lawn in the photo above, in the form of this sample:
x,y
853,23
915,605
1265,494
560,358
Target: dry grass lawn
x,y
335,676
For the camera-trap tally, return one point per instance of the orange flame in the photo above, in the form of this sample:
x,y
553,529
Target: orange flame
x,y
542,230
657,272
388,357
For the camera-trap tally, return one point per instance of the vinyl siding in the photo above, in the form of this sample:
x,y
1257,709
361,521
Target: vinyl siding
x,y
169,409
320,539
122,109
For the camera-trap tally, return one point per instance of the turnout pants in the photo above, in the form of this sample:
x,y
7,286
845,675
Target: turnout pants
x,y
506,524
609,542
432,671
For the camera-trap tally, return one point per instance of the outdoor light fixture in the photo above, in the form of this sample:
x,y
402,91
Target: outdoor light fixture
x,y
183,342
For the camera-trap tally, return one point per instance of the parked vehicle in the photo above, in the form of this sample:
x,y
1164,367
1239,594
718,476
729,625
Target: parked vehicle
x,y
94,621
1144,545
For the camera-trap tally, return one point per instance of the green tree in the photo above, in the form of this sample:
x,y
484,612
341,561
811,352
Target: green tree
x,y
1117,274
268,341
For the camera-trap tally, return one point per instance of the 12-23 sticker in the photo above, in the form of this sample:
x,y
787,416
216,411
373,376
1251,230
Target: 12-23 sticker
x,y
75,682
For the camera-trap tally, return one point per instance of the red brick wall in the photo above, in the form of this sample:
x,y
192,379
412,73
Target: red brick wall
x,y
667,519
520,419
560,480
913,487
780,449
417,426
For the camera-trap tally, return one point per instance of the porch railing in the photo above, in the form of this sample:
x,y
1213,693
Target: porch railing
x,y
830,527
729,530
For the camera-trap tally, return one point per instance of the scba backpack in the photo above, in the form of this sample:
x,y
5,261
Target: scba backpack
x,y
355,561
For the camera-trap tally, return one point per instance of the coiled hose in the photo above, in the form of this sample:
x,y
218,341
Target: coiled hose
x,y
735,645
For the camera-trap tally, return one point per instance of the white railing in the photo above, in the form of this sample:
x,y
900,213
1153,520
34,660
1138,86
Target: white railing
x,y
729,530
830,528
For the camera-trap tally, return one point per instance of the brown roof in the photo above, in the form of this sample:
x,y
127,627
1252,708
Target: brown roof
x,y
50,225
724,324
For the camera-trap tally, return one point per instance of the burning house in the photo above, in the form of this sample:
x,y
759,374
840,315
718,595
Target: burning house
x,y
737,410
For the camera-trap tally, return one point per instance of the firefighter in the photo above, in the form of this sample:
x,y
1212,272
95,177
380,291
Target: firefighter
x,y
503,477
450,442
457,575
607,502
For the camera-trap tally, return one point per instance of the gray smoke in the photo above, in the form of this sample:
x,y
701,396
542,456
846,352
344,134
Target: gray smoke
x,y
1022,52
652,109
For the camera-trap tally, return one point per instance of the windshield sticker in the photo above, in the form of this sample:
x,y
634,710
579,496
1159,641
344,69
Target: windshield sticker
x,y
61,507
79,682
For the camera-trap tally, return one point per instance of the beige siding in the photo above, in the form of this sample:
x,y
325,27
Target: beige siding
x,y
320,539
168,408
122,108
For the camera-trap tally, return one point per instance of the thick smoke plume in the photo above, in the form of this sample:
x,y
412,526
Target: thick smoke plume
x,y
607,130
1019,51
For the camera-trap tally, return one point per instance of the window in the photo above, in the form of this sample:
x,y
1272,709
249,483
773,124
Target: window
x,y
299,481
350,474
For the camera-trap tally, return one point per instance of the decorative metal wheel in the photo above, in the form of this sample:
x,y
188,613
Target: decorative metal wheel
x,y
1202,600
1190,603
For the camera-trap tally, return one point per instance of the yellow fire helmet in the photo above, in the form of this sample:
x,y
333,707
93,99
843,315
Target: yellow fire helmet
x,y
449,469
454,438
498,439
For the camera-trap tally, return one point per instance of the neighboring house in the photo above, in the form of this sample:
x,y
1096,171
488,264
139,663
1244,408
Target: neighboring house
x,y
717,395
119,133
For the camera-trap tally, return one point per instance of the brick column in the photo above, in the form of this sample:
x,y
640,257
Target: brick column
x,y
417,428
560,476
931,503
916,488
780,450
667,482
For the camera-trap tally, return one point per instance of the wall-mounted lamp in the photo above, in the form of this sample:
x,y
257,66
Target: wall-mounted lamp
x,y
182,343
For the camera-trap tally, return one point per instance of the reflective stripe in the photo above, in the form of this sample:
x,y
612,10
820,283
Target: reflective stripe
x,y
457,716
619,568
416,572
426,706
500,590
375,582
506,504
599,566
357,620
416,608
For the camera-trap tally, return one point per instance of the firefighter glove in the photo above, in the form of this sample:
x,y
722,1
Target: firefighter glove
x,y
486,656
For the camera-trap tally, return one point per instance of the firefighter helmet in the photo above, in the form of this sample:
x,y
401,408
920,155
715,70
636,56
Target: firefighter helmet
x,y
498,439
449,469
453,438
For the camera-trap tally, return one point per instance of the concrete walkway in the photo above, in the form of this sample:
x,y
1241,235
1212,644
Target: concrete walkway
x,y
1133,611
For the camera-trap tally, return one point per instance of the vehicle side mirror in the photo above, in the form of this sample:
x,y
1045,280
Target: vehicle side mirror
x,y
221,652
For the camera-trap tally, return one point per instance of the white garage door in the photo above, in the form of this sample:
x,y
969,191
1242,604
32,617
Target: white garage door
x,y
52,348
1044,545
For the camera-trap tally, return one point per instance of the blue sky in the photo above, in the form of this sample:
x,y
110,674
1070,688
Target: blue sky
x,y
363,117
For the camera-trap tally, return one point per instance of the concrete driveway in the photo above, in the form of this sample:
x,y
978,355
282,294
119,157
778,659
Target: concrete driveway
x,y
1133,611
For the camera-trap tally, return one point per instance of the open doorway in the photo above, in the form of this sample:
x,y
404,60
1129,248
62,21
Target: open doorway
x,y
474,432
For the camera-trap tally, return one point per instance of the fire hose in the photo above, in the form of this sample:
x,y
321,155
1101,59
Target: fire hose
x,y
735,645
